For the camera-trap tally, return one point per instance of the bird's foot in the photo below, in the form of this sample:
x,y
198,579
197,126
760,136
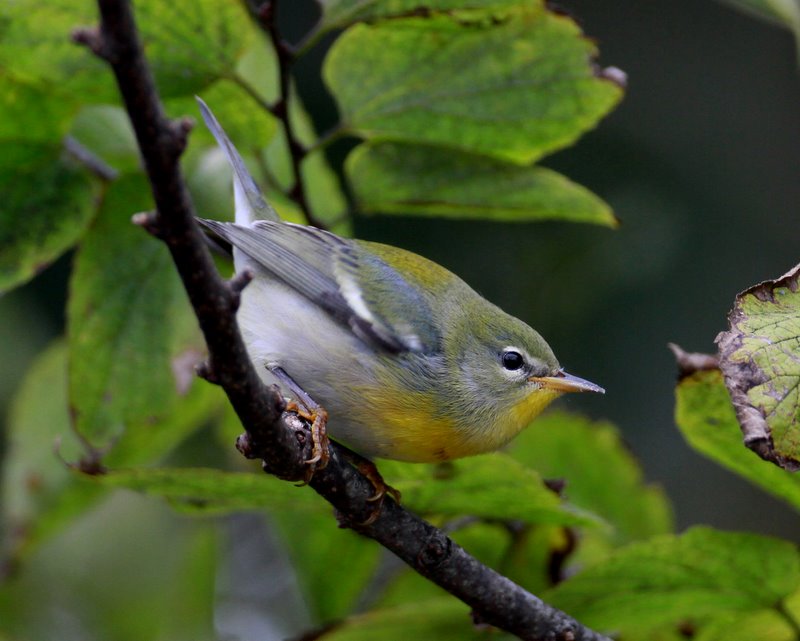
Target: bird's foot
x,y
307,408
381,487
320,451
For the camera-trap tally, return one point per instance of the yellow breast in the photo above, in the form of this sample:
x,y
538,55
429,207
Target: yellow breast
x,y
411,426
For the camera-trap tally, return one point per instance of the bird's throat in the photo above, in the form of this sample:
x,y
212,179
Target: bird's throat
x,y
528,409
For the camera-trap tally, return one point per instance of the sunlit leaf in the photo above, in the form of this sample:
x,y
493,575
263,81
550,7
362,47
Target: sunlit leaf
x,y
668,580
760,358
600,473
36,46
515,87
340,13
210,491
493,486
247,123
705,416
764,625
149,441
191,43
393,178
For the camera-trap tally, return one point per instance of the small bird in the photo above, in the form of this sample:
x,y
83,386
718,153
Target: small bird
x,y
409,361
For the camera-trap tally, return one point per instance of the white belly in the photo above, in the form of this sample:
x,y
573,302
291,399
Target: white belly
x,y
283,328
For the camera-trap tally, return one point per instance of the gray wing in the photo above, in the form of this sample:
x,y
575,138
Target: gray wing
x,y
353,285
250,203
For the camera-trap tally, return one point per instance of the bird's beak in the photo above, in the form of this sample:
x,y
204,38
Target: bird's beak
x,y
563,382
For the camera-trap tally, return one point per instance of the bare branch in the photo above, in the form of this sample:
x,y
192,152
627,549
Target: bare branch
x,y
280,439
161,142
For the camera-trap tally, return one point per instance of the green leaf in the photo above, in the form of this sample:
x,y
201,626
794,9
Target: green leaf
x,y
521,552
442,619
149,441
694,577
47,203
191,43
210,491
492,486
28,113
36,47
40,494
706,418
125,304
333,565
513,87
188,43
601,474
764,625
393,178
247,123
785,13
340,13
760,358
107,132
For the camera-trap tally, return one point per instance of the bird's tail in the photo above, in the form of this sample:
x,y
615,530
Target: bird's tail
x,y
249,201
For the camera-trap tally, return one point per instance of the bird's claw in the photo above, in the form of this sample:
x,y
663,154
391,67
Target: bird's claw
x,y
320,453
370,471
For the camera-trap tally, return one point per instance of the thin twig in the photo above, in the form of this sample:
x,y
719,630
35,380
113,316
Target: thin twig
x,y
89,159
270,435
265,14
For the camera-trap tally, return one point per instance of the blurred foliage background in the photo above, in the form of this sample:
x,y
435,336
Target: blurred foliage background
x,y
699,162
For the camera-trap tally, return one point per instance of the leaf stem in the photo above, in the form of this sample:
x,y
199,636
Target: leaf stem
x,y
251,91
310,40
790,618
333,134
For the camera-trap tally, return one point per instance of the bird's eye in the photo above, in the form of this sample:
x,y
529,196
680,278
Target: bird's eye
x,y
512,360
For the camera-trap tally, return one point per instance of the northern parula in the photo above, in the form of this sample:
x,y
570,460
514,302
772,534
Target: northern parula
x,y
409,361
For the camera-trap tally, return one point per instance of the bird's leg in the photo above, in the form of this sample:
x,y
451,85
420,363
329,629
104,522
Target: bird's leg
x,y
307,408
370,471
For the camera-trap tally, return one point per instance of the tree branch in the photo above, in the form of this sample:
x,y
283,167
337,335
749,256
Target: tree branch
x,y
161,142
272,435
